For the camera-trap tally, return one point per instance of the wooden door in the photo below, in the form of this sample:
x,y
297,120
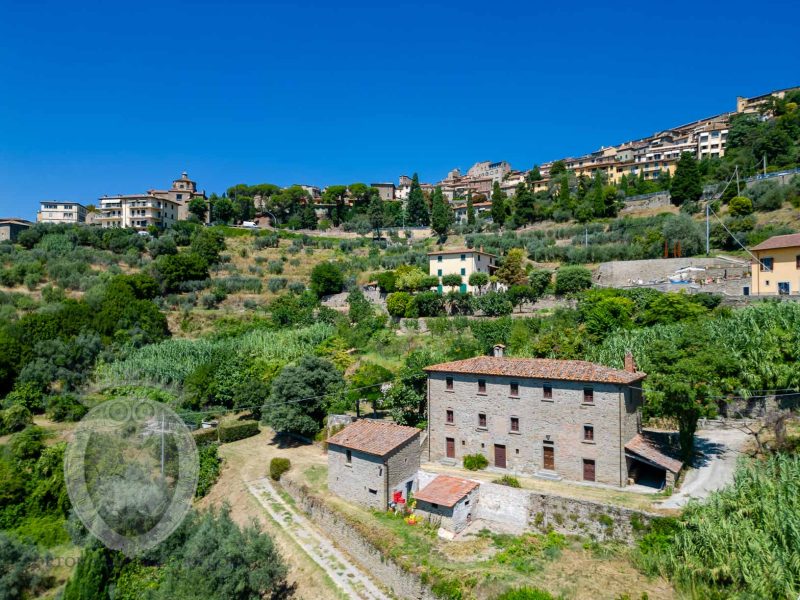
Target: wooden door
x,y
588,470
451,447
549,458
499,456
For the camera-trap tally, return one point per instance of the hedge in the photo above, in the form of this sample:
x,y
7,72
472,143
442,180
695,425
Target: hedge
x,y
279,466
203,437
238,430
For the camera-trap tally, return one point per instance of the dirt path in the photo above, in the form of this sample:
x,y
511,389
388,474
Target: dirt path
x,y
714,468
246,463
354,582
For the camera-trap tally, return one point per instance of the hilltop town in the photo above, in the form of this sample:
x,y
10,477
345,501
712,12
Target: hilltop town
x,y
578,380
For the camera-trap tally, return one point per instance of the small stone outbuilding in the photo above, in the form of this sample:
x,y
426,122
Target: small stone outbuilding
x,y
369,460
448,502
651,462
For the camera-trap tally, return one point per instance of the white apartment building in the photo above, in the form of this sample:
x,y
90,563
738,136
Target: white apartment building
x,y
57,211
160,208
495,170
138,211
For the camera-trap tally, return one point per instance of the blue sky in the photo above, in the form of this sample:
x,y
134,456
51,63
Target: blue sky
x,y
102,98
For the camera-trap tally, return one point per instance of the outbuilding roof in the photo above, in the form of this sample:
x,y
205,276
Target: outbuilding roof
x,y
538,368
651,451
446,490
779,241
373,437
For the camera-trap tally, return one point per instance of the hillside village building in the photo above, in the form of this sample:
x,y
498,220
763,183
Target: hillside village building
x,y
776,270
551,418
55,211
369,461
463,262
160,208
11,228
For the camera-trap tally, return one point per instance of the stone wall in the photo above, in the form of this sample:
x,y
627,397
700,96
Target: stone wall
x,y
402,583
757,407
519,510
649,201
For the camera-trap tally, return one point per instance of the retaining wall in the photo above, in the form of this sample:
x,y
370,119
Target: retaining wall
x,y
522,510
402,583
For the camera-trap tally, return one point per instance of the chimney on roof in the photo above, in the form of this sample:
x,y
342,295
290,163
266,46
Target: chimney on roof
x,y
498,350
630,364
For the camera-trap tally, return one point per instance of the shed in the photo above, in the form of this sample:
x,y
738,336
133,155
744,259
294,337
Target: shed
x,y
651,461
369,460
448,501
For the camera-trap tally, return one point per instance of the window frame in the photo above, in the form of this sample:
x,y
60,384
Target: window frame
x,y
547,392
588,429
449,384
449,416
513,424
483,422
513,389
588,394
481,386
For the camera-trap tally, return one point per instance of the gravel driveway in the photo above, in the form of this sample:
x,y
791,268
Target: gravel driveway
x,y
719,450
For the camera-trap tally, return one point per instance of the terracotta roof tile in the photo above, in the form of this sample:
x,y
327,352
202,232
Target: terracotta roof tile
x,y
446,490
538,368
779,241
373,437
649,449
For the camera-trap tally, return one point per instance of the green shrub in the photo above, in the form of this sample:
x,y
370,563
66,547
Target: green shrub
x,y
572,279
65,408
205,436
526,593
15,418
475,462
740,206
278,466
237,430
508,480
449,589
208,473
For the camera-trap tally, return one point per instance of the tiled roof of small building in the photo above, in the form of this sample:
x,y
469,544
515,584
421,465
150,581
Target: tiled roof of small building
x,y
779,241
648,448
373,437
538,368
446,490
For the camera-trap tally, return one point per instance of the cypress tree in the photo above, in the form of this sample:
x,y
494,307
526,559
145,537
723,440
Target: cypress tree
x,y
90,579
687,185
416,208
498,204
524,206
440,213
308,218
470,210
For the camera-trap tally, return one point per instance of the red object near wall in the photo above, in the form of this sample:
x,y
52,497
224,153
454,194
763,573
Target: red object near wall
x,y
397,497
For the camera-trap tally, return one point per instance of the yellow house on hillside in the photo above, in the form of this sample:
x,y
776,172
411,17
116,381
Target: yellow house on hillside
x,y
776,272
461,261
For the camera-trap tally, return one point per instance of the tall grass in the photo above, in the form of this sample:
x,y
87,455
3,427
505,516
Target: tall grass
x,y
171,361
764,338
743,542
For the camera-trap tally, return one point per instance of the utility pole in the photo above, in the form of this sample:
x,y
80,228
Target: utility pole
x,y
162,444
708,228
765,165
585,237
736,172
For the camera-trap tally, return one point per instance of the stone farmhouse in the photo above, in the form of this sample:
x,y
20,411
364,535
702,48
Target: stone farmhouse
x,y
368,461
556,419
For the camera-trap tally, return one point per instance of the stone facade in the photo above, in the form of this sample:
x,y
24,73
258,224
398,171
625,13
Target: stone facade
x,y
450,518
369,479
559,423
11,228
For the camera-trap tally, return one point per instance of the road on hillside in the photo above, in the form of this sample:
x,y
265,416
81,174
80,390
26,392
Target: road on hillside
x,y
719,449
349,577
